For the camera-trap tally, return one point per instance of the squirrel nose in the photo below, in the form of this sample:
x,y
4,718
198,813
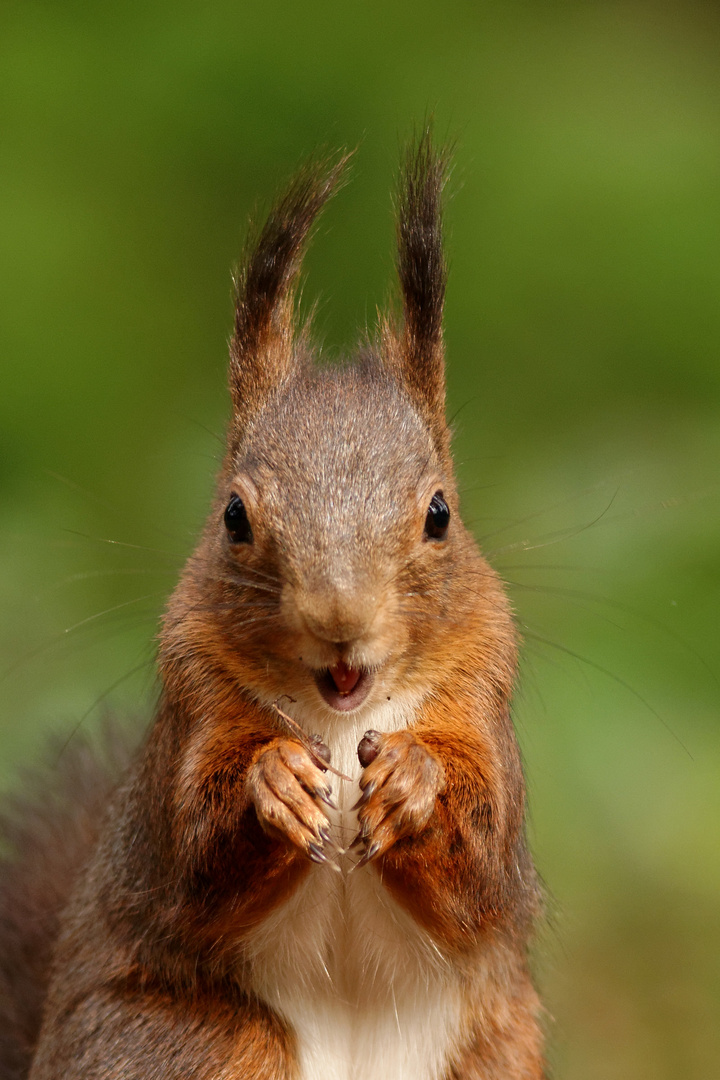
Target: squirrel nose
x,y
339,616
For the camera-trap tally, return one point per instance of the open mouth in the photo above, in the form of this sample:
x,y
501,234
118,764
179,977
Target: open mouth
x,y
343,687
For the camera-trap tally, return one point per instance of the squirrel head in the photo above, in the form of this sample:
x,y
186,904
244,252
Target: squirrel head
x,y
334,553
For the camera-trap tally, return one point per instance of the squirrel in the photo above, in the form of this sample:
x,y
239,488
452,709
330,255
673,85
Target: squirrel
x,y
250,901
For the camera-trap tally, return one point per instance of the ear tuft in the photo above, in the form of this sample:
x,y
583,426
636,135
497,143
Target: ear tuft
x,y
261,350
415,351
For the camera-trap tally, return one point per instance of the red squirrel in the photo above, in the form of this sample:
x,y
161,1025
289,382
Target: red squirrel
x,y
255,901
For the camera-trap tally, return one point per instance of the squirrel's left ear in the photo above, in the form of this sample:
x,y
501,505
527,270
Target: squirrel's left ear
x,y
414,351
262,346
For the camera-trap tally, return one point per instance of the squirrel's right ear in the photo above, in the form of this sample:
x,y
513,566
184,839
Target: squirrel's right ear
x,y
414,351
261,349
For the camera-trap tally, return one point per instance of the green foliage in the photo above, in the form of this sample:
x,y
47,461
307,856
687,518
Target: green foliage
x,y
582,330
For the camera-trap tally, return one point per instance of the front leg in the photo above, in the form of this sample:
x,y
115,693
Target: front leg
x,y
246,809
400,783
440,820
289,791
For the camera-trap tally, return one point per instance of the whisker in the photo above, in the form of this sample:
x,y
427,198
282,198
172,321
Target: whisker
x,y
239,584
549,509
569,595
120,621
611,675
555,537
90,574
105,694
108,611
546,566
625,609
665,504
87,494
125,544
203,427
274,578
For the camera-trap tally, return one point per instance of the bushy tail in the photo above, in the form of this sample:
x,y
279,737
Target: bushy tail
x,y
47,832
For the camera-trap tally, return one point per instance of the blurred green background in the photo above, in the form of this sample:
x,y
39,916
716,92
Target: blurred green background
x,y
582,329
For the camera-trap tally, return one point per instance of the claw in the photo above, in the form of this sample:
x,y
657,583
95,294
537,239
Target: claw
x,y
325,796
365,797
369,854
318,856
328,841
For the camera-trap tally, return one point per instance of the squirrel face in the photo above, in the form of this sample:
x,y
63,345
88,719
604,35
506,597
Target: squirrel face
x,y
334,556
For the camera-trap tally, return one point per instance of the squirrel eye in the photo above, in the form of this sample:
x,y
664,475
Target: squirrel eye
x,y
438,518
236,521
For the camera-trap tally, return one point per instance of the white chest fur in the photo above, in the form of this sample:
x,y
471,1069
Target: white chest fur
x,y
366,991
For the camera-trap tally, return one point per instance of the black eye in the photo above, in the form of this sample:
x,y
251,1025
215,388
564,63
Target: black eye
x,y
438,518
236,521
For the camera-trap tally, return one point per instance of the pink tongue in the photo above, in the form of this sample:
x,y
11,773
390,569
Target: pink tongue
x,y
344,677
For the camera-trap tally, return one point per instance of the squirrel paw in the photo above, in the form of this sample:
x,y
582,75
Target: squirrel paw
x,y
400,783
288,790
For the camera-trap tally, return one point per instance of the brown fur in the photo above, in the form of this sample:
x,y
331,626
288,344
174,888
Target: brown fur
x,y
46,834
121,1031
223,814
